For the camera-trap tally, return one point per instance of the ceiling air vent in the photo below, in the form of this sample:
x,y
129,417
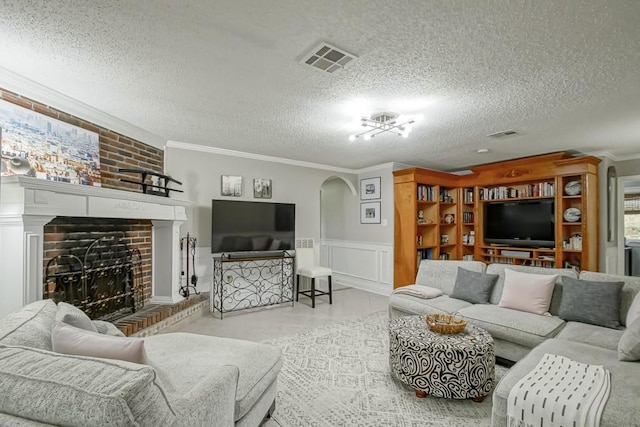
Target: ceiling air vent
x,y
327,58
502,134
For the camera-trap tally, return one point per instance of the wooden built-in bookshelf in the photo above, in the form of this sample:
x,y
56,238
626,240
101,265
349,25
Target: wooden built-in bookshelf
x,y
439,215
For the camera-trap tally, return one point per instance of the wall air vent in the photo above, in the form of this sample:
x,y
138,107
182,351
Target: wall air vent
x,y
502,134
327,58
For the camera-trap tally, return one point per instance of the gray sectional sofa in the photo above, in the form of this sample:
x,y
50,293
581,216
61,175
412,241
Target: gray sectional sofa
x,y
525,338
189,379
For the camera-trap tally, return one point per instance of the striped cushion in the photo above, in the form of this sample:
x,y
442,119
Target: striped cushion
x,y
78,391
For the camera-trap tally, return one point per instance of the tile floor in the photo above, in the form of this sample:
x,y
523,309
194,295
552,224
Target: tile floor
x,y
267,323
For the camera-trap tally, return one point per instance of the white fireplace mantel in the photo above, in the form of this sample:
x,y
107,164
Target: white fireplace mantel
x,y
28,204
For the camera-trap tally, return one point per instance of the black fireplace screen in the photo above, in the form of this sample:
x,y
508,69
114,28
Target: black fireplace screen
x,y
103,279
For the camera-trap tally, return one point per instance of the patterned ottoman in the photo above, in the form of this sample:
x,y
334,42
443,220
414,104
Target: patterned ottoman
x,y
459,366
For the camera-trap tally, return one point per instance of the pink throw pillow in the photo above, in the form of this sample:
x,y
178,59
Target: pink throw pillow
x,y
68,339
527,292
634,310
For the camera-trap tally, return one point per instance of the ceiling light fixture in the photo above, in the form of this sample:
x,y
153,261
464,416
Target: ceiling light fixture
x,y
383,122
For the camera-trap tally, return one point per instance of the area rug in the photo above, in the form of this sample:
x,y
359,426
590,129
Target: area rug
x,y
338,375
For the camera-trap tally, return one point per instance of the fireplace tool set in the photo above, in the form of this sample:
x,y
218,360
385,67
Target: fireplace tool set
x,y
189,280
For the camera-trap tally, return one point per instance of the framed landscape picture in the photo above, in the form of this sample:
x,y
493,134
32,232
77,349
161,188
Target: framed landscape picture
x,y
40,146
370,213
370,188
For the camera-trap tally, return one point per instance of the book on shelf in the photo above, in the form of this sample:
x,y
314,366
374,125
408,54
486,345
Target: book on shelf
x,y
426,253
539,189
468,195
425,193
467,217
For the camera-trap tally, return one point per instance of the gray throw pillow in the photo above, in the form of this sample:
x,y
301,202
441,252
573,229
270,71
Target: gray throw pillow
x,y
596,303
473,287
629,344
72,315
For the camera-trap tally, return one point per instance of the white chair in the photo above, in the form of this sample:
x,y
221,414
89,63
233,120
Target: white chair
x,y
306,267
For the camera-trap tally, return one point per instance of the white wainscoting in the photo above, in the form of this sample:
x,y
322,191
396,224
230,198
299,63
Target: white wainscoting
x,y
366,266
362,265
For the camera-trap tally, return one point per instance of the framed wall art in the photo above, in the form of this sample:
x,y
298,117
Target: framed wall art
x,y
231,185
262,188
370,213
40,146
370,188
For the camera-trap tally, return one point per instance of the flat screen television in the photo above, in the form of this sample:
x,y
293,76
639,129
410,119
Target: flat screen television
x,y
528,223
242,226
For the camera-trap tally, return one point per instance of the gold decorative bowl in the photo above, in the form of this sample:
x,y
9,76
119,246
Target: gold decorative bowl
x,y
445,323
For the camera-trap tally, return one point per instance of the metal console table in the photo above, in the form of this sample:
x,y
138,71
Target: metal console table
x,y
245,281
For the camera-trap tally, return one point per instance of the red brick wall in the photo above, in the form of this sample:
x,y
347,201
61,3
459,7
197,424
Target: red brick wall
x,y
74,235
116,150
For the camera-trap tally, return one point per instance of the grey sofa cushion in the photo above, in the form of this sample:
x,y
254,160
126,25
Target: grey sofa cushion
x,y
258,364
76,391
442,274
596,303
73,316
629,345
630,289
520,327
625,383
472,286
30,326
591,334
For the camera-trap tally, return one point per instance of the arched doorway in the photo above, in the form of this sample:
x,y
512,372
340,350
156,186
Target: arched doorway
x,y
334,192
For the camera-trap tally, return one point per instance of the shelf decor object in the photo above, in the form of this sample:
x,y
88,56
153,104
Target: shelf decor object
x,y
445,323
572,215
158,185
573,188
370,188
383,122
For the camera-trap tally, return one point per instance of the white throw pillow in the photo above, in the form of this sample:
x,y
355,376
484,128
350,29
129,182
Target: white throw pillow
x,y
634,310
68,339
420,291
72,315
527,292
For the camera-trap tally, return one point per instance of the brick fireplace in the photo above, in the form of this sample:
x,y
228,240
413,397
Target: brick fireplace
x,y
101,265
39,218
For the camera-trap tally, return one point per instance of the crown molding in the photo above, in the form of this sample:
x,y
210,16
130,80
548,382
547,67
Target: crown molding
x,y
30,89
253,156
610,155
388,165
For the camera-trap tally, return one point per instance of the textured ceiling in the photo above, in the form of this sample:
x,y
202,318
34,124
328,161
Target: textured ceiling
x,y
227,74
